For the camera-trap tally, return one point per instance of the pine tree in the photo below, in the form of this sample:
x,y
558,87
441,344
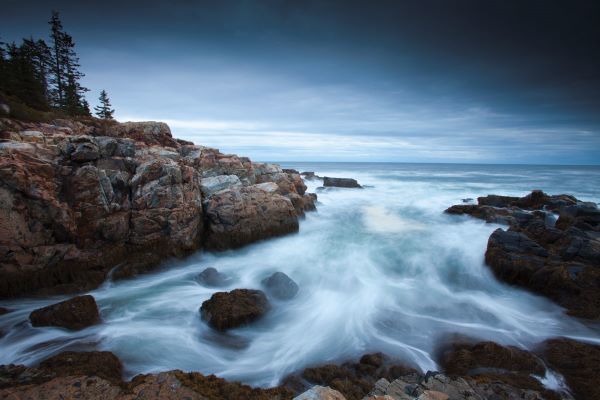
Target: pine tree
x,y
24,74
67,92
103,110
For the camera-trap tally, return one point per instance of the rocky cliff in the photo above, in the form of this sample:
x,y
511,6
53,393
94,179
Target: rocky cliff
x,y
79,198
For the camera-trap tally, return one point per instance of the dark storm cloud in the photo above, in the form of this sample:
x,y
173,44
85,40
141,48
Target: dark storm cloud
x,y
514,81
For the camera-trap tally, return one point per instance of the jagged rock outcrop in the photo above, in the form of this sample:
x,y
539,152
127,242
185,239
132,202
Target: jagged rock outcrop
x,y
559,260
240,216
78,198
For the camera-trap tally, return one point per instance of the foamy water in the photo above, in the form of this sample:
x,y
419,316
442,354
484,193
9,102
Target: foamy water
x,y
379,269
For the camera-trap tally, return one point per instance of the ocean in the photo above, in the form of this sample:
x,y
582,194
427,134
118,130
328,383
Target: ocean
x,y
379,269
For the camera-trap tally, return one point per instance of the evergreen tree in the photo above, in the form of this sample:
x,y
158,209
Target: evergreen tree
x,y
103,110
24,74
67,92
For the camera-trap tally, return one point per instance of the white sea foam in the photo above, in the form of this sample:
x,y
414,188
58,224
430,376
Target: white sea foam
x,y
379,269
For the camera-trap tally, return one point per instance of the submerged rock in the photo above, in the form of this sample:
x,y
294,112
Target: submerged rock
x,y
225,310
281,286
213,278
340,182
76,313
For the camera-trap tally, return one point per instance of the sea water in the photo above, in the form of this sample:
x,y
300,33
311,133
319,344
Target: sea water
x,y
379,269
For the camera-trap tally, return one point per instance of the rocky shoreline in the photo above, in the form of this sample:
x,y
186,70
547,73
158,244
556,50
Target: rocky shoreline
x,y
470,371
551,246
82,199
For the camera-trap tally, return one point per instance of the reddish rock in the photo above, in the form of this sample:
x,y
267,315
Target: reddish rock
x,y
76,313
578,362
472,359
70,363
225,310
241,216
86,196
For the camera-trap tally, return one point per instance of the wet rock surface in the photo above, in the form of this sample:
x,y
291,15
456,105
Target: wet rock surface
x,y
76,313
96,376
240,216
578,362
226,310
559,260
353,379
78,198
212,278
281,286
340,182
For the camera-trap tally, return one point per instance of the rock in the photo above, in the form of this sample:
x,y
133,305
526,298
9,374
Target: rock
x,y
320,393
468,200
280,286
85,152
353,379
340,182
149,132
76,313
469,359
310,175
578,362
32,136
269,187
559,260
237,217
100,363
81,198
213,278
214,184
225,310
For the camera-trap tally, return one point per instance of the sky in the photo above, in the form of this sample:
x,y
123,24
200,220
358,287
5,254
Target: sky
x,y
374,80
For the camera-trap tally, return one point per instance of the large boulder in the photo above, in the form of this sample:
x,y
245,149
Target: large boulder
x,y
76,313
340,182
280,286
237,217
226,310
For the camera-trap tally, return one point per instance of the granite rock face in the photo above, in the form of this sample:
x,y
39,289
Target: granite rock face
x,y
558,258
78,198
239,216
